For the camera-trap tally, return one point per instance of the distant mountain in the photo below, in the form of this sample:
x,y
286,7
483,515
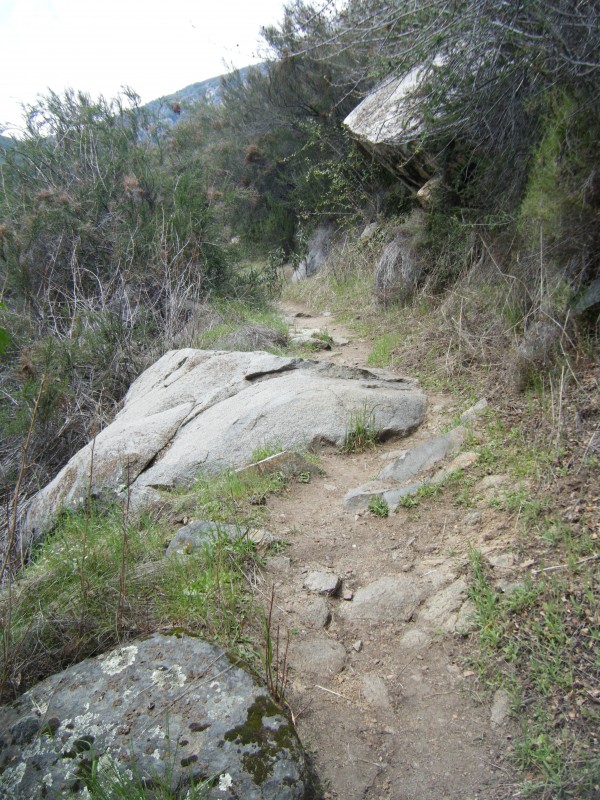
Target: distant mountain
x,y
174,107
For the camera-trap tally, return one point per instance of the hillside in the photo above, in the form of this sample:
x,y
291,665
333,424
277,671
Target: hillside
x,y
179,105
340,253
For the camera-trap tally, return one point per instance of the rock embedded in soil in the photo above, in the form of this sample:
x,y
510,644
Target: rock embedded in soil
x,y
127,708
315,613
317,655
325,583
438,608
199,533
500,708
396,480
390,599
200,410
374,691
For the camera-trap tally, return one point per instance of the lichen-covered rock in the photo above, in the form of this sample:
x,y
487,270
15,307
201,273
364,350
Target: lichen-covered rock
x,y
200,410
168,709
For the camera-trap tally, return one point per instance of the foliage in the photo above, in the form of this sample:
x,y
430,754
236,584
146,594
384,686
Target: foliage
x,y
361,431
107,241
94,581
378,507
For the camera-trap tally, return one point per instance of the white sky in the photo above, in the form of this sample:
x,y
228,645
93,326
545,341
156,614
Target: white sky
x,y
101,45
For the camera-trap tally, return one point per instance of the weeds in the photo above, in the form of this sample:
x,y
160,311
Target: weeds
x,y
378,506
105,781
275,656
101,578
361,432
539,642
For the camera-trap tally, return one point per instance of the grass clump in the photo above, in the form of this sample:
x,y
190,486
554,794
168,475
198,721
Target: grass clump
x,y
101,578
105,781
540,642
361,432
378,507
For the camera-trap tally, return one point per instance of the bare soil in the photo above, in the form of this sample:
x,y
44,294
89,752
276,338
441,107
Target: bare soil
x,y
388,708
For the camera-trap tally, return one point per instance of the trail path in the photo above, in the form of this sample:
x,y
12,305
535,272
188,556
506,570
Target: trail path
x,y
380,688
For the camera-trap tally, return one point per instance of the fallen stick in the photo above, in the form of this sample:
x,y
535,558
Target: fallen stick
x,y
565,566
330,691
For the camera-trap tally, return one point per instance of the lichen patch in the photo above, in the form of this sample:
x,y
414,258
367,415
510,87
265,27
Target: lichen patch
x,y
118,660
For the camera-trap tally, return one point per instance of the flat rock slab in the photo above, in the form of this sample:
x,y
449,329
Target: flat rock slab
x,y
170,707
438,608
318,655
391,599
396,479
200,410
325,583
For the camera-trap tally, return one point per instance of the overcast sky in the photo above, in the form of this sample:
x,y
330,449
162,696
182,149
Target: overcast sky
x,y
101,45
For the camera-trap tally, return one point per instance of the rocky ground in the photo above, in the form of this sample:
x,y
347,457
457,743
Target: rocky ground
x,y
378,620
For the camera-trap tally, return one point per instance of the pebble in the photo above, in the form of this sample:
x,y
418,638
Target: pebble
x,y
358,645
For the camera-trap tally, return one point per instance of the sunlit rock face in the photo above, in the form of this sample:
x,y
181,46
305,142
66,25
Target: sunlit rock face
x,y
169,709
388,126
202,411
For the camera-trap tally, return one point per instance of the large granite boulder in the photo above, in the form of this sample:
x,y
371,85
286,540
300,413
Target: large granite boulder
x,y
199,410
387,125
168,709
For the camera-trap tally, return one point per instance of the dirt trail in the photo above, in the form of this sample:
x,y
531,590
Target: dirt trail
x,y
379,685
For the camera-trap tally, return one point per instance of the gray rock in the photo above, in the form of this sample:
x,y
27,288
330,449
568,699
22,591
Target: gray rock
x,y
461,462
358,498
368,232
393,496
323,583
398,270
206,410
199,533
500,708
501,561
590,299
475,412
311,339
131,706
423,456
315,613
287,462
508,587
318,655
439,607
278,564
408,464
415,639
466,621
386,124
375,692
390,599
319,246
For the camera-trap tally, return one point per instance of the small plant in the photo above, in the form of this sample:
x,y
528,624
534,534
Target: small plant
x,y
106,781
265,451
275,656
362,432
378,506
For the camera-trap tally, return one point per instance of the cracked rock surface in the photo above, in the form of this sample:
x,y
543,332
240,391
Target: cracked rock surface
x,y
206,410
